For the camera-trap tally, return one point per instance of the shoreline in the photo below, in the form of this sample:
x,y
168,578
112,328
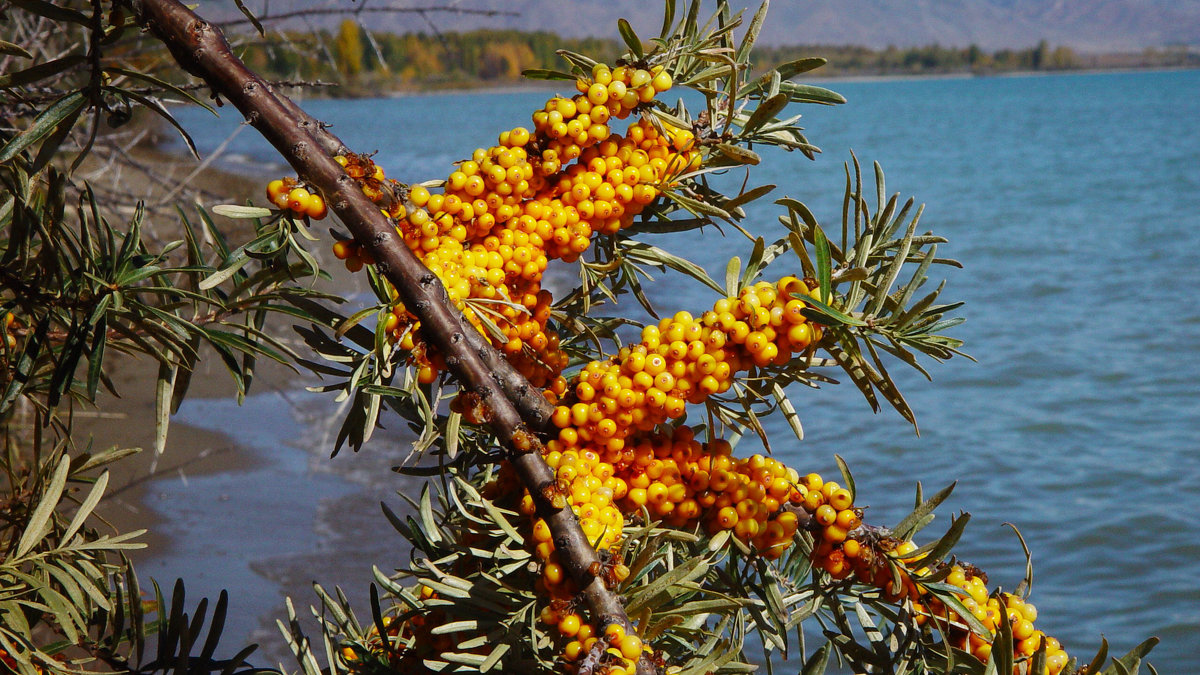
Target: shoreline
x,y
535,86
245,498
963,75
127,419
178,496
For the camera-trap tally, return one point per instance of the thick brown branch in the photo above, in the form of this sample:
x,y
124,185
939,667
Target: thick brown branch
x,y
201,50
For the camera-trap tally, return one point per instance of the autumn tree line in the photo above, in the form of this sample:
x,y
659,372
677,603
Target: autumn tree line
x,y
365,62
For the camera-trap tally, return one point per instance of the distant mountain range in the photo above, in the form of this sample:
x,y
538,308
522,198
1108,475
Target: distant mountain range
x,y
1086,25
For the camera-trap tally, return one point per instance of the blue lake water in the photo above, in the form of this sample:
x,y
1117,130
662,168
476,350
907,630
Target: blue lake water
x,y
1073,203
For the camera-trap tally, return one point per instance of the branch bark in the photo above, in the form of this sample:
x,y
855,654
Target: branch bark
x,y
517,407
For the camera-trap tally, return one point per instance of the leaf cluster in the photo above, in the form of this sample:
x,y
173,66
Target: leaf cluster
x,y
83,289
70,599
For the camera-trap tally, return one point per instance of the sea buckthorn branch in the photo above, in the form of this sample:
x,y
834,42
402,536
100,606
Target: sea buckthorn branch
x,y
755,319
201,50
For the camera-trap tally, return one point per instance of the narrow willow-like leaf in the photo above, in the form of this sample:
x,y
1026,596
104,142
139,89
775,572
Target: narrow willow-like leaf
x,y
824,263
765,112
698,207
783,72
165,114
752,31
828,314
164,386
949,595
818,662
545,74
40,520
1037,663
715,658
1133,658
40,71
631,39
654,255
906,528
754,263
747,197
1101,656
1023,589
53,11
159,83
85,508
215,627
847,477
1002,642
732,271
685,571
241,212
935,551
893,272
44,124
426,511
789,411
13,50
739,154
807,93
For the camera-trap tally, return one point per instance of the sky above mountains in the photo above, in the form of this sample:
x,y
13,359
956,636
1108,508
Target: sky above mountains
x,y
1086,25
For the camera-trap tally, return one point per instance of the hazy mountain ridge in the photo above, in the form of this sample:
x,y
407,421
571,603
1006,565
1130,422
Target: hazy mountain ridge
x,y
1086,25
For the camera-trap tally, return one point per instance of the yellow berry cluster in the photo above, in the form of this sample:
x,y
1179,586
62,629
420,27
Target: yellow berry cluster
x,y
288,194
608,426
684,359
573,124
537,196
610,461
842,548
990,609
614,650
685,484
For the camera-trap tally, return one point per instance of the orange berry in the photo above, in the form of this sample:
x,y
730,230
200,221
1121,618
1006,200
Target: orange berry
x,y
631,646
297,199
316,208
569,625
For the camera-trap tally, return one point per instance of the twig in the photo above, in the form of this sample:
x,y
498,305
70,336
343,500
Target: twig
x,y
360,10
201,49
